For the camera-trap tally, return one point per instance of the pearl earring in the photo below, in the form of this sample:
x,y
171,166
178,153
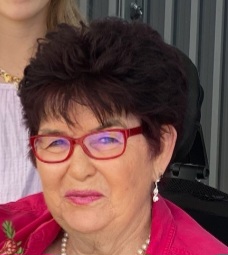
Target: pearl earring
x,y
155,191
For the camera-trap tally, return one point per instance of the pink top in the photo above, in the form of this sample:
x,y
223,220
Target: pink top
x,y
173,231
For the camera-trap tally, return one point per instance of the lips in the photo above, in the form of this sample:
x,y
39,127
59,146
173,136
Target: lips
x,y
84,197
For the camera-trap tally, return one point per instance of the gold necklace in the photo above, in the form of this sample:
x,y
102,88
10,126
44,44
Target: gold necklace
x,y
8,78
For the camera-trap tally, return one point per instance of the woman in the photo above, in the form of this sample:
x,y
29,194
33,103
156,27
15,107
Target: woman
x,y
21,23
104,106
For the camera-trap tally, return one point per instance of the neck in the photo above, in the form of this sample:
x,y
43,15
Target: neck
x,y
119,241
18,43
125,249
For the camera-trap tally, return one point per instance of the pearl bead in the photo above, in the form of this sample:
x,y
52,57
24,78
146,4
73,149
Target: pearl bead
x,y
140,251
144,246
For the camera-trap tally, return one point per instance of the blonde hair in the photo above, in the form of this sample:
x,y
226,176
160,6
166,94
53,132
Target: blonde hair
x,y
63,11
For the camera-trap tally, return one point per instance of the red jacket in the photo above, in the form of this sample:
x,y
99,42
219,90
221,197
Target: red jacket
x,y
173,231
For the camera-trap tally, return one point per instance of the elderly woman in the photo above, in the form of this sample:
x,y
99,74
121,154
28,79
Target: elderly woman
x,y
104,106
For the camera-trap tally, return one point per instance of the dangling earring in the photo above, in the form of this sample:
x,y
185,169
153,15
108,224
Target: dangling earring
x,y
155,191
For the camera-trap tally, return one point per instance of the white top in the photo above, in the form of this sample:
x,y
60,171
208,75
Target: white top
x,y
18,177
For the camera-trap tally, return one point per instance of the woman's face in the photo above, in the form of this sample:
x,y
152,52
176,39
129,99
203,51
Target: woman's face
x,y
87,195
20,10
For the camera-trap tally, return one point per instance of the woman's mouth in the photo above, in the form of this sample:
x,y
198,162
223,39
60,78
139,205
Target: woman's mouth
x,y
83,197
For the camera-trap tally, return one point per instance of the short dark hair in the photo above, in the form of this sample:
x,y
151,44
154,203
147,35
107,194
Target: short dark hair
x,y
113,67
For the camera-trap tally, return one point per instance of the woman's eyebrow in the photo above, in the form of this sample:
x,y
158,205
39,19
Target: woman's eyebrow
x,y
110,123
47,131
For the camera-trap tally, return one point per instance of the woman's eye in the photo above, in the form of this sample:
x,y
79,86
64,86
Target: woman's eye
x,y
108,140
58,142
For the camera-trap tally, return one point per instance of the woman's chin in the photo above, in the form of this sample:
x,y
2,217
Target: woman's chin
x,y
86,219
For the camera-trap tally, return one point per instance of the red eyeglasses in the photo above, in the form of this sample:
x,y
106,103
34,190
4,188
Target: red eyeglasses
x,y
106,144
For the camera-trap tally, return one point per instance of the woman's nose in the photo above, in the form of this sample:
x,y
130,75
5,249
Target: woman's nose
x,y
81,165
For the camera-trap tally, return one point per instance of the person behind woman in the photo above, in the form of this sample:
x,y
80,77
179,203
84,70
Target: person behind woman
x,y
21,23
104,106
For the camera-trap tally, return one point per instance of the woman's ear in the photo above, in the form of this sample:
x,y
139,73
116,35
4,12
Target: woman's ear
x,y
168,141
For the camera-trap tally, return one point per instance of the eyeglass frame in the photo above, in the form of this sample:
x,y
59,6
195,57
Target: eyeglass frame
x,y
79,141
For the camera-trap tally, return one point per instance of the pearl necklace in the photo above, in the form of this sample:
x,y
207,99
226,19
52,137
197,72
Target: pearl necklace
x,y
64,243
140,251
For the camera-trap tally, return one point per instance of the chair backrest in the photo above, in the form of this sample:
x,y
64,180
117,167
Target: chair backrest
x,y
190,157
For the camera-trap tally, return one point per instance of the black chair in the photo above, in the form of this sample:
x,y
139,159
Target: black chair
x,y
183,182
190,159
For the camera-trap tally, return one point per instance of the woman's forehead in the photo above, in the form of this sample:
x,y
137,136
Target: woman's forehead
x,y
82,116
